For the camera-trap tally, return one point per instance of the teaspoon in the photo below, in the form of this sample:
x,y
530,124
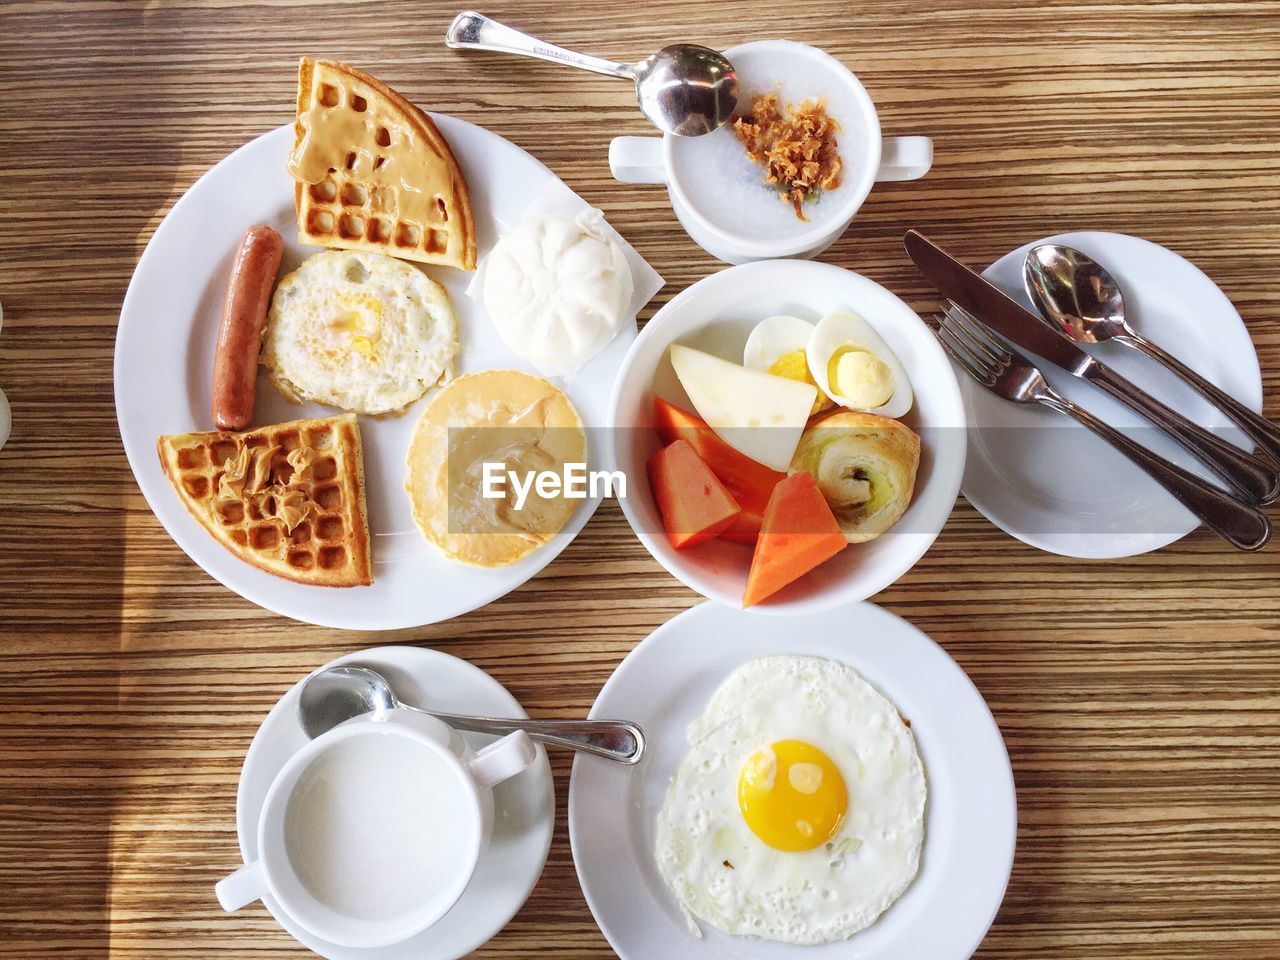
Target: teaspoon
x,y
333,696
1083,302
684,89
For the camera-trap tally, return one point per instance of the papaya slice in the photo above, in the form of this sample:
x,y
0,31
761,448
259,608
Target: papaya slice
x,y
799,532
694,504
748,481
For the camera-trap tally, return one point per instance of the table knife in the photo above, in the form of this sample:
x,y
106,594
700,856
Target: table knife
x,y
1250,477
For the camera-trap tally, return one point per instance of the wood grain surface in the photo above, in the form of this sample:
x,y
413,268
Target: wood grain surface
x,y
1138,698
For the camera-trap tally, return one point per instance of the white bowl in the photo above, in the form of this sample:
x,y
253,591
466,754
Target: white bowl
x,y
716,314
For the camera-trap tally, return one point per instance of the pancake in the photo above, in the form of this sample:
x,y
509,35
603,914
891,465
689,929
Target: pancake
x,y
505,417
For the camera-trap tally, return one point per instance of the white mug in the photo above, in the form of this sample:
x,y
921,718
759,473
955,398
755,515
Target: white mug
x,y
458,807
800,71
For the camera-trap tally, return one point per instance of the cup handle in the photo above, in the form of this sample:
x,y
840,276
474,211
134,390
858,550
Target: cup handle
x,y
637,160
242,887
502,760
901,158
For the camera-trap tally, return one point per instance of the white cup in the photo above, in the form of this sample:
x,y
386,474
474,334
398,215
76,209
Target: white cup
x,y
716,191
460,787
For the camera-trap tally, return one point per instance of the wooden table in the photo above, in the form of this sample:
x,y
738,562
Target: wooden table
x,y
1138,698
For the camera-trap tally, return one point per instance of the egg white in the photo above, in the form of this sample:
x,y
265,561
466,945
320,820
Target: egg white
x,y
725,875
775,337
359,331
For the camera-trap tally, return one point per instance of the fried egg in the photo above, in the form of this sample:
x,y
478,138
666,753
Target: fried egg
x,y
798,813
777,345
359,331
853,366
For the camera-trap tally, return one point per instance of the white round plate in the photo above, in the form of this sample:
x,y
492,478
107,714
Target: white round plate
x,y
666,681
716,314
524,806
1040,477
164,369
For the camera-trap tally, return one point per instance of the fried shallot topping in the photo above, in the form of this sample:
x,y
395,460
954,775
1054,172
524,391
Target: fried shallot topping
x,y
796,146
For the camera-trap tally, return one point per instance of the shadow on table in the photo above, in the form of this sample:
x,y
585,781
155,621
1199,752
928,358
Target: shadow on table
x,y
68,504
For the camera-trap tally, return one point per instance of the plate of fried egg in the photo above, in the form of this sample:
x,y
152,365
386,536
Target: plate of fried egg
x,y
834,786
311,383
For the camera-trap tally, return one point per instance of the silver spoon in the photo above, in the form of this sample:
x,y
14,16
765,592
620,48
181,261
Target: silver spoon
x,y
683,89
337,694
1083,301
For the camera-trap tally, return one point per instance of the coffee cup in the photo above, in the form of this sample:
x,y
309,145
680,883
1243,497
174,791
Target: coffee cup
x,y
371,832
718,193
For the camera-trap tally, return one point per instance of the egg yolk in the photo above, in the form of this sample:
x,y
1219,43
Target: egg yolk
x,y
860,377
795,366
792,796
361,315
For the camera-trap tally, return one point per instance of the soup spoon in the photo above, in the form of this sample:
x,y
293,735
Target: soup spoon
x,y
684,89
1083,302
337,694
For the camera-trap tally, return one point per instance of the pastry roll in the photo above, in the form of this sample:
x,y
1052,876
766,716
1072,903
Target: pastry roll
x,y
865,466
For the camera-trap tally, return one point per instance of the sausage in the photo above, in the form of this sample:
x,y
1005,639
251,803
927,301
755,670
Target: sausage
x,y
244,313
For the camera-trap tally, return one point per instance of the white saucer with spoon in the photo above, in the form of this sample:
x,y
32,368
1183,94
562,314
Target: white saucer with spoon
x,y
524,805
1054,485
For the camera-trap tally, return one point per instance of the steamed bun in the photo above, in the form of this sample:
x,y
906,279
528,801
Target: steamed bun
x,y
558,290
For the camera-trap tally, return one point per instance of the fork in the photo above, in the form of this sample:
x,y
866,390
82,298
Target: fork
x,y
1009,375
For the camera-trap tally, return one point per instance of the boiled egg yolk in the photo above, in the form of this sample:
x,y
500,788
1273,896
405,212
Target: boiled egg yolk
x,y
792,796
860,377
795,366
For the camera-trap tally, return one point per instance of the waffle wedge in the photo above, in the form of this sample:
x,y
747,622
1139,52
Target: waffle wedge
x,y
373,173
287,498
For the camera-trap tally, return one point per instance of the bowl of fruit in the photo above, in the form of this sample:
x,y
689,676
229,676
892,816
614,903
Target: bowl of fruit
x,y
791,435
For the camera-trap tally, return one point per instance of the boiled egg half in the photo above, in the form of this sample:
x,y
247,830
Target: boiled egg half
x,y
851,364
777,345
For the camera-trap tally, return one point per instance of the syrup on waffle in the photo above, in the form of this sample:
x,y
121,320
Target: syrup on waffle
x,y
287,498
373,173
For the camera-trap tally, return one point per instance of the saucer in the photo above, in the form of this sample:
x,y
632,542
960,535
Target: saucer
x,y
524,806
666,681
1054,485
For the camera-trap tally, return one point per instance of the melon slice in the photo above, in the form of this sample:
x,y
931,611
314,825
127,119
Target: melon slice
x,y
755,412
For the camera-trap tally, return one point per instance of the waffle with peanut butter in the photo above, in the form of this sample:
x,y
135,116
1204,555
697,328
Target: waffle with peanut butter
x,y
287,498
372,172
